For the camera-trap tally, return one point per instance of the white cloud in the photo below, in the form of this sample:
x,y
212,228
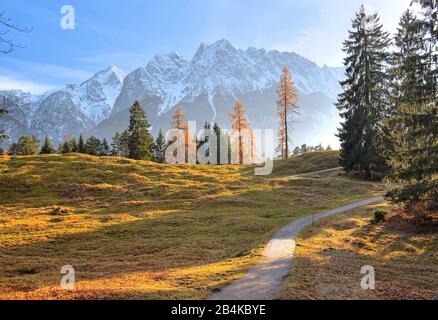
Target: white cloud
x,y
38,78
48,70
322,42
8,83
124,59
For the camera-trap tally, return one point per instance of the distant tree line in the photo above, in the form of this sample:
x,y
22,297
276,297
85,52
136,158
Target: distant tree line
x,y
309,149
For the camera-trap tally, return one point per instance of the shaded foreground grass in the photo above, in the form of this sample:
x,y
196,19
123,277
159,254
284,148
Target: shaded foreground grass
x,y
329,258
133,229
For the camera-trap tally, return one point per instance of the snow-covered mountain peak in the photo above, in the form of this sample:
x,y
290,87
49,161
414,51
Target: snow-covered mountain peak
x,y
223,44
91,101
165,63
218,51
112,75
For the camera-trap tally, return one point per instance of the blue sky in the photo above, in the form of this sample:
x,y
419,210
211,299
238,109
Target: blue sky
x,y
128,33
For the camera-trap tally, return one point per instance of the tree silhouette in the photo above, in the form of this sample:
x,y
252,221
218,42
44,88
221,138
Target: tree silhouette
x,y
6,26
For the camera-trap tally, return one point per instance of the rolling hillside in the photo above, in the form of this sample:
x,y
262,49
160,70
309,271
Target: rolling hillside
x,y
133,229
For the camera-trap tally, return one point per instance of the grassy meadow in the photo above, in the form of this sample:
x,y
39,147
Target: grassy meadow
x,y
139,230
329,258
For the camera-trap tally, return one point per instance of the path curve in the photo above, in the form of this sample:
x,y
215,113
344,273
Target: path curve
x,y
264,280
312,173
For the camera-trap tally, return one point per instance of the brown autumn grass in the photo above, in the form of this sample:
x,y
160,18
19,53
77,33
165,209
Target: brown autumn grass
x,y
305,163
329,258
139,230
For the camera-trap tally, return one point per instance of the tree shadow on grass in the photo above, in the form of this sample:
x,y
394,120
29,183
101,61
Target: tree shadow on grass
x,y
405,261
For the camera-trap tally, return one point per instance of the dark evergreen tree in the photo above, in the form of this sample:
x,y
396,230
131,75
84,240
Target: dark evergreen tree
x,y
363,104
116,149
47,147
159,148
413,122
105,148
219,137
296,152
124,143
65,148
14,149
207,126
93,146
81,144
140,140
74,145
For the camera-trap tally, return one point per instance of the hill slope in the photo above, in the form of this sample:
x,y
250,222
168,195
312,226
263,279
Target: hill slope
x,y
134,229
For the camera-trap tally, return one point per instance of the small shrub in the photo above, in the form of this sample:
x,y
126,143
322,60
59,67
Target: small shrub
x,y
59,211
379,216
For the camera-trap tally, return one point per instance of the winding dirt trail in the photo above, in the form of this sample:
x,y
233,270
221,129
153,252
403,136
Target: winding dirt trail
x,y
264,280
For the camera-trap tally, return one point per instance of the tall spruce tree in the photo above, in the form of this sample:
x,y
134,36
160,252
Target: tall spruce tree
x,y
207,126
116,149
65,148
47,147
124,143
219,139
81,144
140,140
93,146
363,103
105,148
74,145
413,125
159,148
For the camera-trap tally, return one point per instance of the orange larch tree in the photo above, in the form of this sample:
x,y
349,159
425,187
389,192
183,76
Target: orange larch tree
x,y
180,124
240,127
287,104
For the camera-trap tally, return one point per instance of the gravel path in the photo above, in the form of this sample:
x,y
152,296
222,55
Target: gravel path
x,y
263,281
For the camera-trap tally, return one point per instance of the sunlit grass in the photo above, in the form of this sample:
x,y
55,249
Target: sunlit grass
x,y
329,258
135,229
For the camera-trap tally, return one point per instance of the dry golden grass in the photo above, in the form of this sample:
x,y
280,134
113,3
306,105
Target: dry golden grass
x,y
133,229
329,258
309,162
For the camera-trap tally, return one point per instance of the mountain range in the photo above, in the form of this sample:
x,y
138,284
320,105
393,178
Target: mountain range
x,y
206,87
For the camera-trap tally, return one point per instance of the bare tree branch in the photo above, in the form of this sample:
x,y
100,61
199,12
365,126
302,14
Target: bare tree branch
x,y
7,25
